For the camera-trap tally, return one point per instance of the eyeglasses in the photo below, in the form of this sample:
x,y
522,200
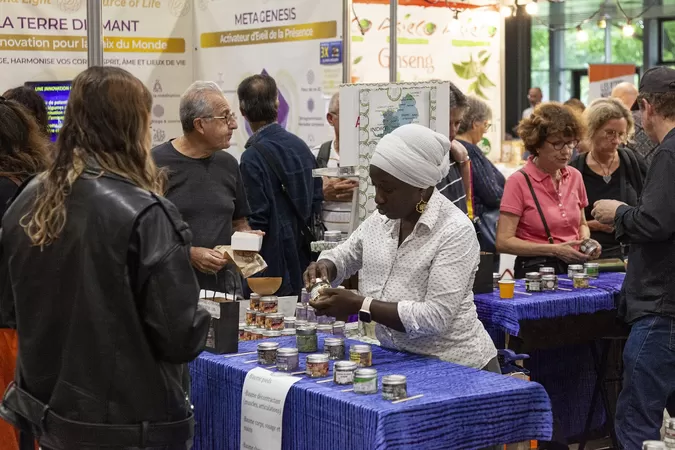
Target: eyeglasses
x,y
610,135
488,126
562,144
229,117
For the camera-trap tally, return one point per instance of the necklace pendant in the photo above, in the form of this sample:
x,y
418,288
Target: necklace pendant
x,y
607,178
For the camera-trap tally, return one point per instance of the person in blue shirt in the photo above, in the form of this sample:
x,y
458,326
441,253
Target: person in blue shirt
x,y
275,210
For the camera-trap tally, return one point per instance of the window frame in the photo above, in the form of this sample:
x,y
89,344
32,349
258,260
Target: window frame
x,y
661,22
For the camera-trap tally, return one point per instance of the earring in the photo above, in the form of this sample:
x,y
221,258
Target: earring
x,y
421,206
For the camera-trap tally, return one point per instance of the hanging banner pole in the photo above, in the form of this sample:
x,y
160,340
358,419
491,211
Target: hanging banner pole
x,y
346,41
393,33
94,33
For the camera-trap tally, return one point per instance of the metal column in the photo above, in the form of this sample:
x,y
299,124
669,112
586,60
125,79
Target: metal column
x,y
393,41
94,33
346,41
557,53
608,42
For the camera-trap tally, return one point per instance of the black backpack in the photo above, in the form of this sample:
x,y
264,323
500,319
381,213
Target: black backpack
x,y
324,155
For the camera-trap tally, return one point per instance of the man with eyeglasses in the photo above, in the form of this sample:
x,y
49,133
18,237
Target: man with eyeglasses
x,y
204,182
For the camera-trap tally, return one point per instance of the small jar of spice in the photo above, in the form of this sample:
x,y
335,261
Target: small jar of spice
x,y
533,282
317,366
546,271
269,304
592,269
317,289
256,333
260,319
287,359
361,354
549,282
394,387
254,302
250,316
574,269
334,348
274,321
300,312
365,381
580,281
267,353
343,372
306,340
324,328
339,329
289,322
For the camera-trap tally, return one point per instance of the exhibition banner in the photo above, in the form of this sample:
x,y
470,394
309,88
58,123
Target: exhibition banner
x,y
297,42
44,42
603,77
433,44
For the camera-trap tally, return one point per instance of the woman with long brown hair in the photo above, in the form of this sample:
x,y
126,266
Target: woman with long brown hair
x,y
23,152
99,283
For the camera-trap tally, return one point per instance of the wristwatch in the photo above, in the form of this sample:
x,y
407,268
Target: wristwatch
x,y
364,313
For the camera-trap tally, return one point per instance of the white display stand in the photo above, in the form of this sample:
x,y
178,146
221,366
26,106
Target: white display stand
x,y
370,111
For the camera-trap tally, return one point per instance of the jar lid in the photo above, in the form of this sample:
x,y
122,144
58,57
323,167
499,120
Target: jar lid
x,y
255,296
324,327
268,346
259,330
549,277
546,270
249,329
575,267
338,324
289,319
275,315
591,265
345,365
317,358
360,348
269,299
288,332
532,275
271,333
306,331
580,276
242,325
365,373
301,323
394,379
332,342
287,351
250,311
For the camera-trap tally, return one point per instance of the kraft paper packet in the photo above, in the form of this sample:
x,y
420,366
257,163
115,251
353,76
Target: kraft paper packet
x,y
248,263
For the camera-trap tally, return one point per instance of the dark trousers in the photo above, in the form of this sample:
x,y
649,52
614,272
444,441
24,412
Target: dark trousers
x,y
649,381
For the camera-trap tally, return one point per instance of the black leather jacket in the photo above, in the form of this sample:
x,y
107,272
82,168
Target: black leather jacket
x,y
106,315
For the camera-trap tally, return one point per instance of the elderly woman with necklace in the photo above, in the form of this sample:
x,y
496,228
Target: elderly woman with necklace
x,y
608,171
416,258
542,218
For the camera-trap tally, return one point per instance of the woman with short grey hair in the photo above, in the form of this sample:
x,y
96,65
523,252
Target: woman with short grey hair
x,y
487,182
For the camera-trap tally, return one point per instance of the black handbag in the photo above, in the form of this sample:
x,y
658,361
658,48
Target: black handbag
x,y
308,232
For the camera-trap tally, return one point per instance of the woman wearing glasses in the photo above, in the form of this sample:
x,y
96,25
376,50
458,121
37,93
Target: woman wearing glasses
x,y
542,218
204,182
608,171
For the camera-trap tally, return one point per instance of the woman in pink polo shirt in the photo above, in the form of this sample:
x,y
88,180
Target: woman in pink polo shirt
x,y
542,218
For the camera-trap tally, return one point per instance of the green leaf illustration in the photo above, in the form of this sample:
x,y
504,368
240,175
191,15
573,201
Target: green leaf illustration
x,y
357,60
484,81
484,61
472,87
482,53
407,16
460,70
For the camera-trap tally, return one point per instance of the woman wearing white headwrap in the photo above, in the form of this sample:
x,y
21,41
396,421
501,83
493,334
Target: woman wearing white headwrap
x,y
416,259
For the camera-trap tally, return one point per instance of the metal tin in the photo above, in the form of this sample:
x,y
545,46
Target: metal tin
x,y
580,281
394,387
250,316
287,359
289,322
549,282
317,365
533,282
339,328
343,372
588,246
334,348
260,319
288,332
361,354
654,445
317,288
324,328
547,271
592,269
274,321
254,302
269,304
306,340
574,269
495,280
267,353
365,381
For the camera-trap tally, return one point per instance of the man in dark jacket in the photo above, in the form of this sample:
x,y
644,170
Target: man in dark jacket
x,y
113,304
272,210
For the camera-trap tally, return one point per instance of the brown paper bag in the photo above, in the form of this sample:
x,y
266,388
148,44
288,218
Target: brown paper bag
x,y
248,263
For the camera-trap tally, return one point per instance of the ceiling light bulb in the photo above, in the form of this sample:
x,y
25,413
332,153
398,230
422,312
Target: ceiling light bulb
x,y
582,35
628,30
532,8
506,11
602,23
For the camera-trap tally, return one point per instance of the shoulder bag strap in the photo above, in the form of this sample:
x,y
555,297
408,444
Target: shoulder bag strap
x,y
536,202
275,167
324,155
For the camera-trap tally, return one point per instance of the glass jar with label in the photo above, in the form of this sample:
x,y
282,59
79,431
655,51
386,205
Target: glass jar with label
x,y
247,333
267,353
352,330
588,247
274,321
306,339
250,316
254,302
288,332
256,333
580,281
533,282
260,319
546,271
289,322
324,328
288,359
549,282
317,289
574,269
365,381
592,269
242,331
317,366
670,433
394,387
269,304
339,329
361,354
300,312
334,348
495,280
343,372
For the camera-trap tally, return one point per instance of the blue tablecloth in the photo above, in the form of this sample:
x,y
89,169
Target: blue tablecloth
x,y
567,373
462,408
507,314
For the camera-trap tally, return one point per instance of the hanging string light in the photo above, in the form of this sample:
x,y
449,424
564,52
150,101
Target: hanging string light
x,y
506,11
628,29
532,8
582,35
